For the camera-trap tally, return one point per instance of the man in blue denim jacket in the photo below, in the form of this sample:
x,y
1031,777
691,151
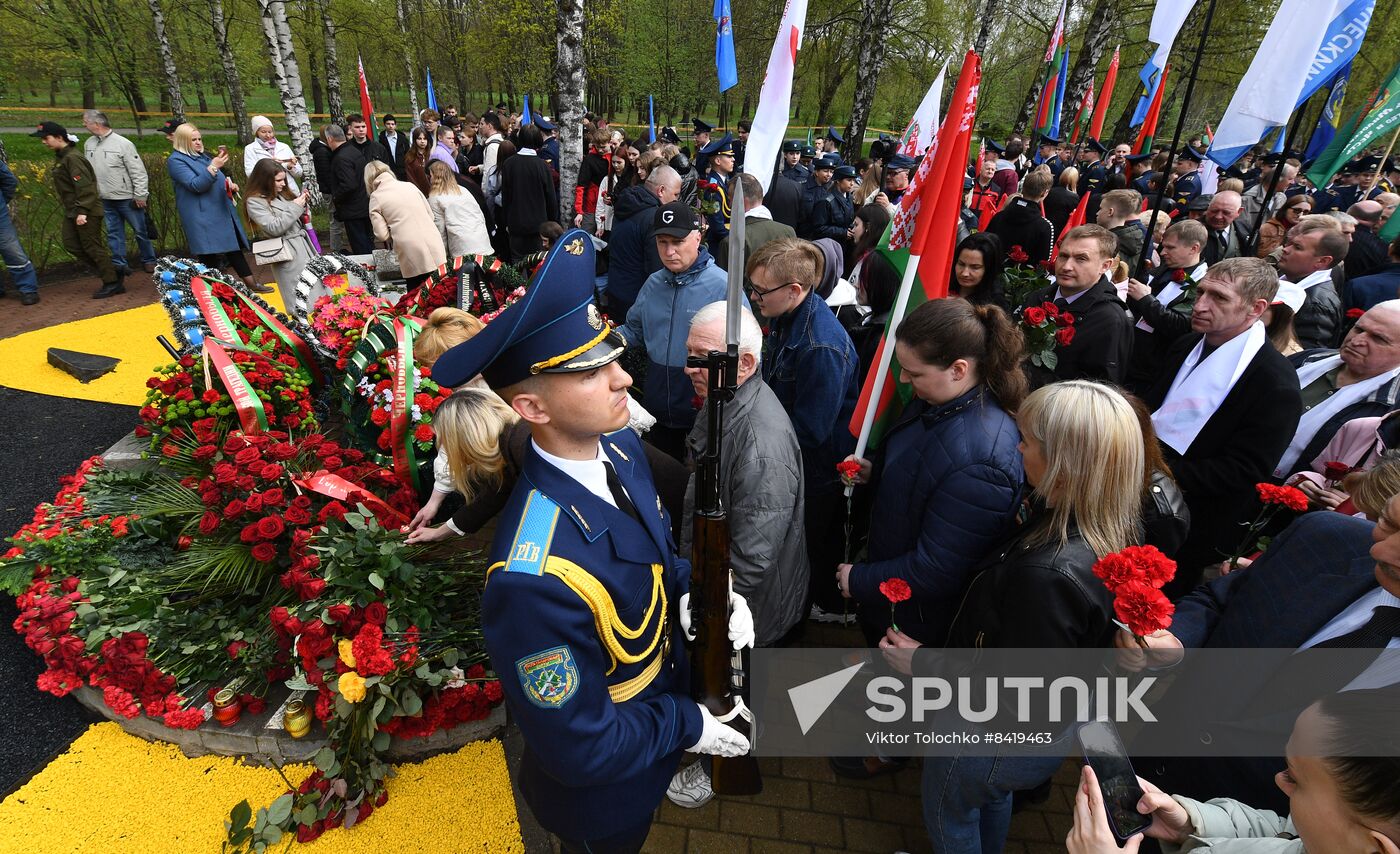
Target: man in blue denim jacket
x,y
812,366
659,322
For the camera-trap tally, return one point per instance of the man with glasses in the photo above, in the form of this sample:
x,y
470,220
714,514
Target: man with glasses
x,y
659,321
812,367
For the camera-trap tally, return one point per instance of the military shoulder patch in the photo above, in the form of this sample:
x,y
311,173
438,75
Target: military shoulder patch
x,y
532,538
548,678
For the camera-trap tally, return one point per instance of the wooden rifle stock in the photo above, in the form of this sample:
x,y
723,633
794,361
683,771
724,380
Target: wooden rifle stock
x,y
717,669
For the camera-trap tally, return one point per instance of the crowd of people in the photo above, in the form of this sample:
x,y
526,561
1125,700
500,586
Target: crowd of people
x,y
1203,344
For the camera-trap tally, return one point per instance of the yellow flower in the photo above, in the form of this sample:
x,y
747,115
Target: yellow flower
x,y
347,652
352,687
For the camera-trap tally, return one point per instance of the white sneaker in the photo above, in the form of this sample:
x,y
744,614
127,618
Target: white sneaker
x,y
690,788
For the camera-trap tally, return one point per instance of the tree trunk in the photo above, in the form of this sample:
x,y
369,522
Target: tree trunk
x,y
1122,129
569,83
199,95
1081,76
988,13
409,63
233,85
87,82
332,63
874,18
167,61
288,78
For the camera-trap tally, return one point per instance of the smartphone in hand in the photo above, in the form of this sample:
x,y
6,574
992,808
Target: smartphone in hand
x,y
1105,753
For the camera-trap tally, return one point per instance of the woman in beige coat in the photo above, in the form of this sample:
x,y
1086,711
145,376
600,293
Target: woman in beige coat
x,y
273,211
403,221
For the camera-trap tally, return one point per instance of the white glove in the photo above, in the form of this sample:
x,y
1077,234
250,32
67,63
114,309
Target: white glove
x,y
741,630
718,739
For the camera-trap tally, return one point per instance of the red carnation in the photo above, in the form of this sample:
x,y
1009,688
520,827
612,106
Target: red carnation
x,y
1064,336
379,417
1115,570
265,552
1354,313
423,433
848,469
211,396
1144,608
896,590
376,613
1035,315
1018,254
1286,496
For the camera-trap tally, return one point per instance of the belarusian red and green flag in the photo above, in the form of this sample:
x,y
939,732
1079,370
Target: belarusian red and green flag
x,y
1047,116
922,234
1154,112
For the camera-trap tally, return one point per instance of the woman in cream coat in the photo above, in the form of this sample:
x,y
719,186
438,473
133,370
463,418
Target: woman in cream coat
x,y
273,211
459,219
403,221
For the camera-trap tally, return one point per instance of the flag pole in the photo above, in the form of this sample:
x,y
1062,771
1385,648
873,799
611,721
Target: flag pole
x,y
1389,148
1140,272
1253,240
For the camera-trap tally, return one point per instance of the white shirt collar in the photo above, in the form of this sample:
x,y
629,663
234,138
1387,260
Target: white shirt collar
x,y
760,212
1316,277
1356,615
529,151
588,473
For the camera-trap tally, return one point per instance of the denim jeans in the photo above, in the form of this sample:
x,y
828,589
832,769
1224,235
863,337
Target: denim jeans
x,y
21,270
967,799
119,213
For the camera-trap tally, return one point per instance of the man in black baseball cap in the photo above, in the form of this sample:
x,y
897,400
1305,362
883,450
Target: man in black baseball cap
x,y
76,186
168,128
659,320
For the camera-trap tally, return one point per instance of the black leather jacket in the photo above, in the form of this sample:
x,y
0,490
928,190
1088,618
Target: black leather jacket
x,y
1036,597
1165,518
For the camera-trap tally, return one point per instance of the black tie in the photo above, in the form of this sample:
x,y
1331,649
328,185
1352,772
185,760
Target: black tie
x,y
618,493
1378,632
1061,303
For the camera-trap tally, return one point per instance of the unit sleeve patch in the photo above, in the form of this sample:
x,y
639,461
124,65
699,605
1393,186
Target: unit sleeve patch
x,y
549,678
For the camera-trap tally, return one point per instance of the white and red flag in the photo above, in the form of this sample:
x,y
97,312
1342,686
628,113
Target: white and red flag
x,y
770,120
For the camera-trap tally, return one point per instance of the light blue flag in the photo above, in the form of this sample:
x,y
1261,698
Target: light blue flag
x,y
525,114
725,67
1058,106
1331,117
651,117
1340,45
1150,76
432,96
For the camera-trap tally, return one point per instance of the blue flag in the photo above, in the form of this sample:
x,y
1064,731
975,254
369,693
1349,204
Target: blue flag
x,y
1340,45
725,67
1150,76
432,96
1331,117
1057,106
525,114
651,118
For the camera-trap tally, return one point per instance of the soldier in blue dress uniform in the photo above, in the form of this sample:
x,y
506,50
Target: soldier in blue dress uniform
x,y
715,200
1188,181
832,142
584,588
1092,173
816,189
793,169
1139,166
702,142
1049,155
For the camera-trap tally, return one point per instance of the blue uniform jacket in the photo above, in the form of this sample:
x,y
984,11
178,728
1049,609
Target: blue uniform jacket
x,y
798,173
716,201
571,580
1188,187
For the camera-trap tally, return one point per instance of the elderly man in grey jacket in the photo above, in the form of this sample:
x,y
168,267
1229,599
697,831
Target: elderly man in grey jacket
x,y
123,186
761,488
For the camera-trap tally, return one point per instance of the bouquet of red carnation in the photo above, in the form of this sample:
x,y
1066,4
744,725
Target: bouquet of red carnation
x,y
509,300
1275,499
1135,576
1046,329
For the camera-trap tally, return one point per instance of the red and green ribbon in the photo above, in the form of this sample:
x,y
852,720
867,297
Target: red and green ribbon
x,y
251,414
222,326
401,424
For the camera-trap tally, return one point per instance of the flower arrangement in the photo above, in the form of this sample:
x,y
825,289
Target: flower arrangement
x,y
1274,499
376,387
1135,576
509,300
1046,329
338,321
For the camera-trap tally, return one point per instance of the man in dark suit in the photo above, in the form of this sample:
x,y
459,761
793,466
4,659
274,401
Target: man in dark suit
x,y
394,143
784,201
1161,306
1225,407
1368,253
1326,576
1103,334
1022,223
1224,240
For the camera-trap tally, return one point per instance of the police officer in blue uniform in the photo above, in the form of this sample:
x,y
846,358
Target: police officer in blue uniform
x,y
809,154
793,170
1092,173
702,142
898,172
816,189
1048,154
1188,181
714,201
584,590
1139,166
834,214
550,150
832,142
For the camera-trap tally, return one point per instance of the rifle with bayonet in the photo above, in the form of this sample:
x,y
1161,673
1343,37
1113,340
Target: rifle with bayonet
x,y
717,668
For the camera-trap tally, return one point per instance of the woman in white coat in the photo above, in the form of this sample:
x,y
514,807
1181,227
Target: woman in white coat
x,y
459,219
272,212
265,146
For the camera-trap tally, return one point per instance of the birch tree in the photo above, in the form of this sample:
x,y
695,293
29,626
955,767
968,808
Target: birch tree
x,y
409,63
875,18
332,63
232,81
287,77
569,87
1081,76
167,61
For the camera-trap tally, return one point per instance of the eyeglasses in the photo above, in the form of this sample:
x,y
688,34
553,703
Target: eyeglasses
x,y
758,294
